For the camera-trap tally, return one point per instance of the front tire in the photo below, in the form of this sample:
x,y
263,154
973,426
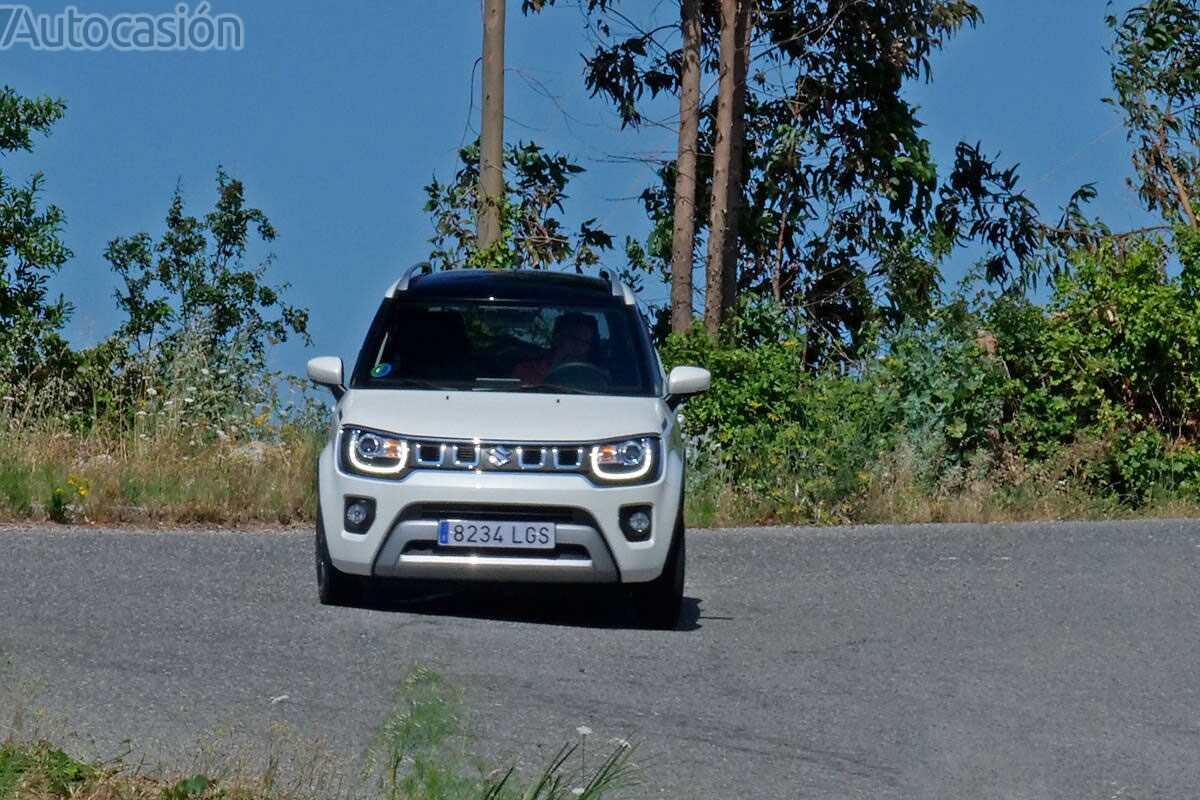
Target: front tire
x,y
334,587
657,604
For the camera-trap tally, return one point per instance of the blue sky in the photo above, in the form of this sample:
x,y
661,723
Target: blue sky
x,y
336,115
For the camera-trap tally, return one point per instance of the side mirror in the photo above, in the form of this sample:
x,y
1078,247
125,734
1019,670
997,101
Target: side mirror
x,y
327,371
685,381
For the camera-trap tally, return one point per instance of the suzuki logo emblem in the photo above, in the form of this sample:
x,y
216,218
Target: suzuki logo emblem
x,y
499,456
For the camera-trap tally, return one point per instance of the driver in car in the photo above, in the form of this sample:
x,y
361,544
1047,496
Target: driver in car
x,y
573,341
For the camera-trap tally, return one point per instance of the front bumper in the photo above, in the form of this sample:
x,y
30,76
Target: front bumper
x,y
402,540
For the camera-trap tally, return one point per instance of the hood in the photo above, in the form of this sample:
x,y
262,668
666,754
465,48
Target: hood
x,y
503,416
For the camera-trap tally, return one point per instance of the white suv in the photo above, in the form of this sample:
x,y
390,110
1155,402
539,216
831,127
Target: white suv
x,y
505,426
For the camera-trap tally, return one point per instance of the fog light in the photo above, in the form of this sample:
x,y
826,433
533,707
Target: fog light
x,y
360,513
636,523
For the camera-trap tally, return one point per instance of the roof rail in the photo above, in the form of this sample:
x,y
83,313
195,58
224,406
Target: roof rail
x,y
618,289
612,281
420,268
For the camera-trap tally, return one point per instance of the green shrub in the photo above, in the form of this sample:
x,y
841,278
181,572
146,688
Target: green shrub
x,y
796,443
1111,360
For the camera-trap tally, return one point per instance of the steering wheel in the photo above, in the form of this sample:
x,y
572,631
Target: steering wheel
x,y
578,375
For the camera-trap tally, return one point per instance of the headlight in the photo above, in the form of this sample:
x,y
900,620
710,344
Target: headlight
x,y
626,461
372,453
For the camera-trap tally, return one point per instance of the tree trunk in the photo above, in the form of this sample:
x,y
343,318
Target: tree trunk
x,y
737,146
491,135
683,240
722,230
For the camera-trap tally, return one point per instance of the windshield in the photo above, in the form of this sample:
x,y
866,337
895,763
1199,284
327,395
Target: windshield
x,y
508,347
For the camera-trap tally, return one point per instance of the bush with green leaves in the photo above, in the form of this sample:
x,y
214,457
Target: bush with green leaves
x,y
942,391
1102,381
802,443
1114,360
1098,389
31,251
199,319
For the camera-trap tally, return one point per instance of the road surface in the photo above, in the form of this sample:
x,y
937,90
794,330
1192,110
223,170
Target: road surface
x,y
955,661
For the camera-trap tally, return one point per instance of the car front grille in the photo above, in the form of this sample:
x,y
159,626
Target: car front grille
x,y
498,456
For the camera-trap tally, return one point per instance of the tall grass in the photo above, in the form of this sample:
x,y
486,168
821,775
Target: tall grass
x,y
48,472
107,447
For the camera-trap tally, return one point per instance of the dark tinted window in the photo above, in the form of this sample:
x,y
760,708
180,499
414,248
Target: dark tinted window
x,y
517,347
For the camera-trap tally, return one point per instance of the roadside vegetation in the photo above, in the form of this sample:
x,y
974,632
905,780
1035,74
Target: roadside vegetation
x,y
421,753
1059,379
173,417
997,409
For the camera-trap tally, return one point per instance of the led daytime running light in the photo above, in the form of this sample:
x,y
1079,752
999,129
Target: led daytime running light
x,y
393,450
602,452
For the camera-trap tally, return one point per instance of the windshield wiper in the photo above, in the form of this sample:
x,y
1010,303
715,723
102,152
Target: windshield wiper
x,y
497,384
552,388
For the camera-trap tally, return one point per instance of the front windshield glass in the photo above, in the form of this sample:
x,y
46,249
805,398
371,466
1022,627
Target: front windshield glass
x,y
475,346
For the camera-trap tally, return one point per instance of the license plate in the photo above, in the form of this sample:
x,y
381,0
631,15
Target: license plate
x,y
490,533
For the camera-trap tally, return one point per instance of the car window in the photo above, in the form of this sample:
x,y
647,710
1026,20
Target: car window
x,y
476,346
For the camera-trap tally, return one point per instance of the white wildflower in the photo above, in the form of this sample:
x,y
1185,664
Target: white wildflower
x,y
584,730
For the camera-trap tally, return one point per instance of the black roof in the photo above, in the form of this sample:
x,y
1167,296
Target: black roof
x,y
526,285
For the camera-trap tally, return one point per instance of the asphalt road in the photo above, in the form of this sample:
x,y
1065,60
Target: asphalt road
x,y
1018,661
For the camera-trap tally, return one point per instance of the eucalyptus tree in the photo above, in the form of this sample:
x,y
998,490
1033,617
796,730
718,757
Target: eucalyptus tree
x,y
1156,76
842,214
